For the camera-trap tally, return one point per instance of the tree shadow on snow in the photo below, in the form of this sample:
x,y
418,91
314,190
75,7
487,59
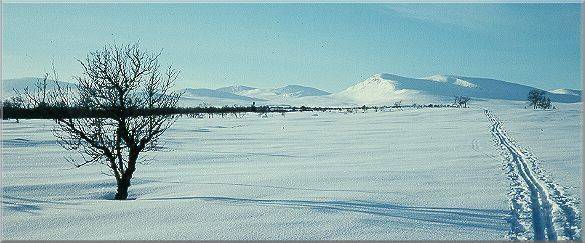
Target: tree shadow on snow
x,y
464,217
239,153
269,186
297,188
28,205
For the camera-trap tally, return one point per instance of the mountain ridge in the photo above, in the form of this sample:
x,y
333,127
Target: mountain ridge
x,y
384,87
378,89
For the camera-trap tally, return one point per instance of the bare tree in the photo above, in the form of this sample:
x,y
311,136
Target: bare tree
x,y
461,101
118,80
398,105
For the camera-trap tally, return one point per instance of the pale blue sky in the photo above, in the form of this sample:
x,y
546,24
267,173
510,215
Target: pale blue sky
x,y
327,46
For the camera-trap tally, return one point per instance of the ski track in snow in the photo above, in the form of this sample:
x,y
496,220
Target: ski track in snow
x,y
537,202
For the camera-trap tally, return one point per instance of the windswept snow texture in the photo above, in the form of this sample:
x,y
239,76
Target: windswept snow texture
x,y
410,174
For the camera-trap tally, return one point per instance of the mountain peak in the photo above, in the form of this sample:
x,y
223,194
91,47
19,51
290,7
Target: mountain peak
x,y
387,76
190,92
299,91
378,88
438,77
566,91
383,88
235,88
456,80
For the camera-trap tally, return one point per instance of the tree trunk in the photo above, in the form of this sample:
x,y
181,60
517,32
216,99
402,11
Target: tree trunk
x,y
122,192
124,181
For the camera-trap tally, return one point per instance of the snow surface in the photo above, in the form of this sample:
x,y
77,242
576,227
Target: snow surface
x,y
541,208
554,136
410,174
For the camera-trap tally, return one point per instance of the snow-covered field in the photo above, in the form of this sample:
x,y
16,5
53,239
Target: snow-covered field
x,y
414,174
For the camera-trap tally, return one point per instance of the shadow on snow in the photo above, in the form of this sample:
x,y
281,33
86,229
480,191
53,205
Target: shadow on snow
x,y
463,217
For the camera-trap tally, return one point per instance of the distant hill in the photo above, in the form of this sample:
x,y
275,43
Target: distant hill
x,y
278,94
299,91
386,88
8,85
191,93
566,91
234,89
379,89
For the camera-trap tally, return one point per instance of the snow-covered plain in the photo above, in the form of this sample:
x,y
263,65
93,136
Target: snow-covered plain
x,y
432,173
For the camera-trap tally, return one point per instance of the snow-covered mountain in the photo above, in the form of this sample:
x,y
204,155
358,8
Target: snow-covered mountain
x,y
299,91
379,89
215,97
566,91
386,88
213,93
234,89
284,92
19,84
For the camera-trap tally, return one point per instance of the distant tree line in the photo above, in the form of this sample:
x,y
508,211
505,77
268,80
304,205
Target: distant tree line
x,y
54,112
18,110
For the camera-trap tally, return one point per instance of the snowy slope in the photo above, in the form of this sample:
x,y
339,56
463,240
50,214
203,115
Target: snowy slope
x,y
385,88
243,95
216,94
566,91
285,92
211,97
491,89
235,88
299,91
265,94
